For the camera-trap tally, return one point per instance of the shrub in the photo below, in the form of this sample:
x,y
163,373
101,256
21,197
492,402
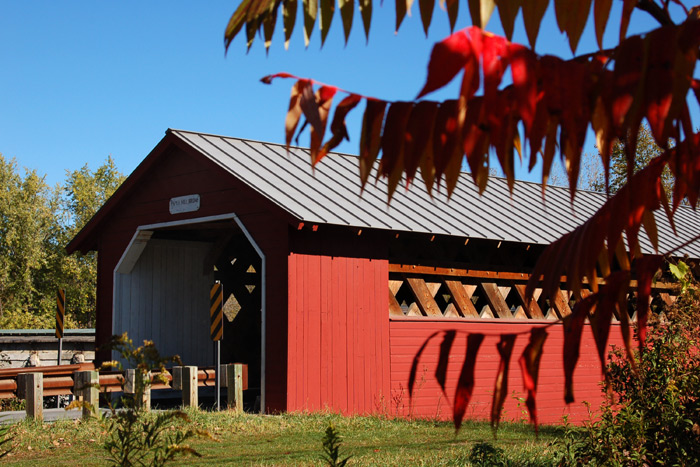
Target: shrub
x,y
654,416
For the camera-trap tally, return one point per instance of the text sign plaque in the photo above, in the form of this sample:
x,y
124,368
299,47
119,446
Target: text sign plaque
x,y
188,203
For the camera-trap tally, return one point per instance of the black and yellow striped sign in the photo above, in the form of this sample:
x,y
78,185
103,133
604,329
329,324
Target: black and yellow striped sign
x,y
216,311
60,312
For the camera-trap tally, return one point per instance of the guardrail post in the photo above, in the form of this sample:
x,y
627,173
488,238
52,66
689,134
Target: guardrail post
x,y
234,386
33,388
130,388
189,385
177,378
86,386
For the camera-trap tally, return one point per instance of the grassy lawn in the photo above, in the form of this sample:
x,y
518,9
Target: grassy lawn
x,y
294,440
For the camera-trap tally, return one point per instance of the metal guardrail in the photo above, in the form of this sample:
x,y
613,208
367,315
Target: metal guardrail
x,y
58,380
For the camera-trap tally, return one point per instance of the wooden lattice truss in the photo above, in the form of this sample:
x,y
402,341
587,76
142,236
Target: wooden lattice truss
x,y
465,293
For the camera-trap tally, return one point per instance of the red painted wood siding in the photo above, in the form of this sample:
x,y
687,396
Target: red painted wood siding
x,y
407,335
338,334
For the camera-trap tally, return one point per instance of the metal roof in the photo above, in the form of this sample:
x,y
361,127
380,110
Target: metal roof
x,y
330,194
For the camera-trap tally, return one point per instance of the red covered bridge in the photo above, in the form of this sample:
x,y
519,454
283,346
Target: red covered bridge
x,y
330,292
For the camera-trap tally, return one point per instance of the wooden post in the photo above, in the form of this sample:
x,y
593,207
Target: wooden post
x,y
234,385
33,388
177,378
190,394
130,388
86,385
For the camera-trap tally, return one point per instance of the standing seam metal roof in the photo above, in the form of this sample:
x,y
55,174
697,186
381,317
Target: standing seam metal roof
x,y
331,194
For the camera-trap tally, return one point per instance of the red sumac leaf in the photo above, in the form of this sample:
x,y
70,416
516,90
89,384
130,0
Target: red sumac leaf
x,y
660,81
426,13
324,100
448,57
294,112
370,140
573,328
523,66
601,12
508,11
495,61
646,268
627,78
419,135
338,128
500,389
627,8
393,138
530,367
465,384
447,140
533,12
444,358
616,284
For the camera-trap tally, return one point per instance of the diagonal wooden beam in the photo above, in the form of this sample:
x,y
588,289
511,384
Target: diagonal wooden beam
x,y
462,302
424,298
532,308
498,305
394,286
394,307
561,304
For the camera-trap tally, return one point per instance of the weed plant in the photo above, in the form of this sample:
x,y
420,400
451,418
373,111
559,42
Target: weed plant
x,y
136,437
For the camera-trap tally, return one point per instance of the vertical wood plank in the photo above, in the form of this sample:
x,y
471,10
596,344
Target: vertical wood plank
x,y
292,313
340,364
327,386
314,342
350,311
382,274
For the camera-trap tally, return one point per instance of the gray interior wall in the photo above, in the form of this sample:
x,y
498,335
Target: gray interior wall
x,y
165,298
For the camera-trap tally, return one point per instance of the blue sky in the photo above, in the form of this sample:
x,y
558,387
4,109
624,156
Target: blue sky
x,y
83,80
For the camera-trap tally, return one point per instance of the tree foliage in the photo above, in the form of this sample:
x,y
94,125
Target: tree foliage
x,y
647,149
36,222
545,109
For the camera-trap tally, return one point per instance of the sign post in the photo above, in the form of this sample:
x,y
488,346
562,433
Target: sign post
x,y
60,320
216,313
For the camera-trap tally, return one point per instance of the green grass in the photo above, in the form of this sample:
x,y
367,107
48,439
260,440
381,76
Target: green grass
x,y
294,440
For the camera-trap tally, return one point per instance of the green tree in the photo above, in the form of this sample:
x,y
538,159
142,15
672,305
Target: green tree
x,y
85,191
647,149
28,229
36,222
